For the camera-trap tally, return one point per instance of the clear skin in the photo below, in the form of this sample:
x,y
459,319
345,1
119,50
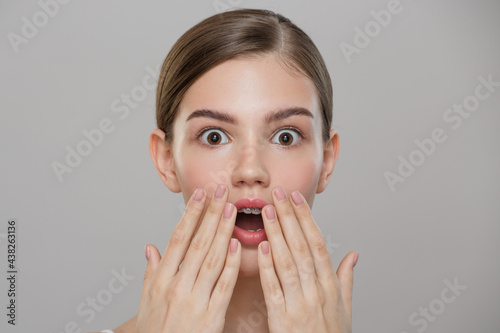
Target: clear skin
x,y
285,284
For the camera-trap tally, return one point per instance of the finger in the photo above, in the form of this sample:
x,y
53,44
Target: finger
x,y
322,263
223,291
202,241
345,275
214,261
271,287
296,241
153,257
181,236
284,263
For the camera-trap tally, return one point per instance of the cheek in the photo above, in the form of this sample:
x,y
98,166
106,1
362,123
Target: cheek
x,y
195,171
301,175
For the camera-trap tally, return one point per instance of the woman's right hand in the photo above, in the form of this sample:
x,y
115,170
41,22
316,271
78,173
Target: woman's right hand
x,y
194,297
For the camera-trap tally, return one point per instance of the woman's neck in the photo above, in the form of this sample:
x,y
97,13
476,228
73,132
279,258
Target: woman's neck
x,y
247,311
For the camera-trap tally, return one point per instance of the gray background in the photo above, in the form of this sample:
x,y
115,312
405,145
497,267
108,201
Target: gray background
x,y
441,224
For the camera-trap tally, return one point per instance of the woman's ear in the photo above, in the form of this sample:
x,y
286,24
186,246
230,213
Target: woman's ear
x,y
163,158
330,153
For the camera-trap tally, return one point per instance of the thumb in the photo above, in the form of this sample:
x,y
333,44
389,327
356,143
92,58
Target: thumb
x,y
345,276
153,257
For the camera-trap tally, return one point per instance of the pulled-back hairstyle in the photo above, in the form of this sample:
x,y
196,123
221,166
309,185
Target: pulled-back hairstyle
x,y
232,34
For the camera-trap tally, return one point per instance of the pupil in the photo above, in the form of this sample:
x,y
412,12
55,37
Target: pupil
x,y
285,138
214,137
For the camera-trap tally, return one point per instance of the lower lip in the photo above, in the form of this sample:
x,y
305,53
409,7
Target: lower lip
x,y
248,237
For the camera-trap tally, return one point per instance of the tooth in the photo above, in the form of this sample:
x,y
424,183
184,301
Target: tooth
x,y
255,211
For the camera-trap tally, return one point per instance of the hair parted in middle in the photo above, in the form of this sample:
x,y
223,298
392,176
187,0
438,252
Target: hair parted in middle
x,y
239,33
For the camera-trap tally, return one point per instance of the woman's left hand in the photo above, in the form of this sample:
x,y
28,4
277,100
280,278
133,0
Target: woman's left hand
x,y
301,289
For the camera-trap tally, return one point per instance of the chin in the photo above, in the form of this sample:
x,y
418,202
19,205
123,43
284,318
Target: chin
x,y
249,261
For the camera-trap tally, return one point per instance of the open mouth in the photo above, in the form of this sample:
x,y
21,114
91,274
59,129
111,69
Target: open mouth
x,y
250,219
249,226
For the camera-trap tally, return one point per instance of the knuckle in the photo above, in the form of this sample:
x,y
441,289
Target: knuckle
x,y
211,262
275,293
199,242
213,209
319,246
178,236
286,263
172,294
223,286
307,266
154,290
292,280
286,210
299,245
289,210
192,211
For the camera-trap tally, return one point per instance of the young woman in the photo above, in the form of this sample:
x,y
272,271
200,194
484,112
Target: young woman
x,y
244,110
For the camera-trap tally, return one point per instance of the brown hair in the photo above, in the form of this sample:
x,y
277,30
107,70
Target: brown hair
x,y
238,33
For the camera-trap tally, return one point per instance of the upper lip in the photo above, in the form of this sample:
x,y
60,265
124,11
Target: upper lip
x,y
250,203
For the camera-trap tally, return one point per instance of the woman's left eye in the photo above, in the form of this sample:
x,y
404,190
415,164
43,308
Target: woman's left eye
x,y
214,137
287,137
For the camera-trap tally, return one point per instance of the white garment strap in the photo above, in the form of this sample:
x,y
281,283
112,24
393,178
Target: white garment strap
x,y
107,331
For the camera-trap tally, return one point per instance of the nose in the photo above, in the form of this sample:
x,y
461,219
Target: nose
x,y
250,167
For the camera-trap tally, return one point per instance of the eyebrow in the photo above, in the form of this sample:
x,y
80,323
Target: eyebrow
x,y
270,117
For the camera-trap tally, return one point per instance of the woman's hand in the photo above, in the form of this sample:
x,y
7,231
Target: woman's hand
x,y
194,297
301,289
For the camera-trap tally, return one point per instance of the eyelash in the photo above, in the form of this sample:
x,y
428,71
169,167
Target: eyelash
x,y
296,130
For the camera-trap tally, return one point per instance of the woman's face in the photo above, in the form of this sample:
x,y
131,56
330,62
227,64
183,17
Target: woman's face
x,y
236,141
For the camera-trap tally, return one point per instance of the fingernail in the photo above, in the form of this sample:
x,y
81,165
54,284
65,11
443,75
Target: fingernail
x,y
228,210
198,195
219,192
264,248
147,252
297,198
233,246
280,194
355,260
270,213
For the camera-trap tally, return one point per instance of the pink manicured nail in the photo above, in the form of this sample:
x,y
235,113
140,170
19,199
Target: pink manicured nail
x,y
355,260
280,194
270,213
297,198
198,195
228,211
147,252
265,248
219,192
233,246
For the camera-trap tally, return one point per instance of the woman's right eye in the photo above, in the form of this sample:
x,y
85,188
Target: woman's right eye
x,y
214,137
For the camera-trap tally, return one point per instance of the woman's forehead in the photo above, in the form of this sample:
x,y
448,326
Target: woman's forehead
x,y
255,85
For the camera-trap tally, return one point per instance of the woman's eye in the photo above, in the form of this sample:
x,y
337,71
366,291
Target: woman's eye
x,y
286,137
214,137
